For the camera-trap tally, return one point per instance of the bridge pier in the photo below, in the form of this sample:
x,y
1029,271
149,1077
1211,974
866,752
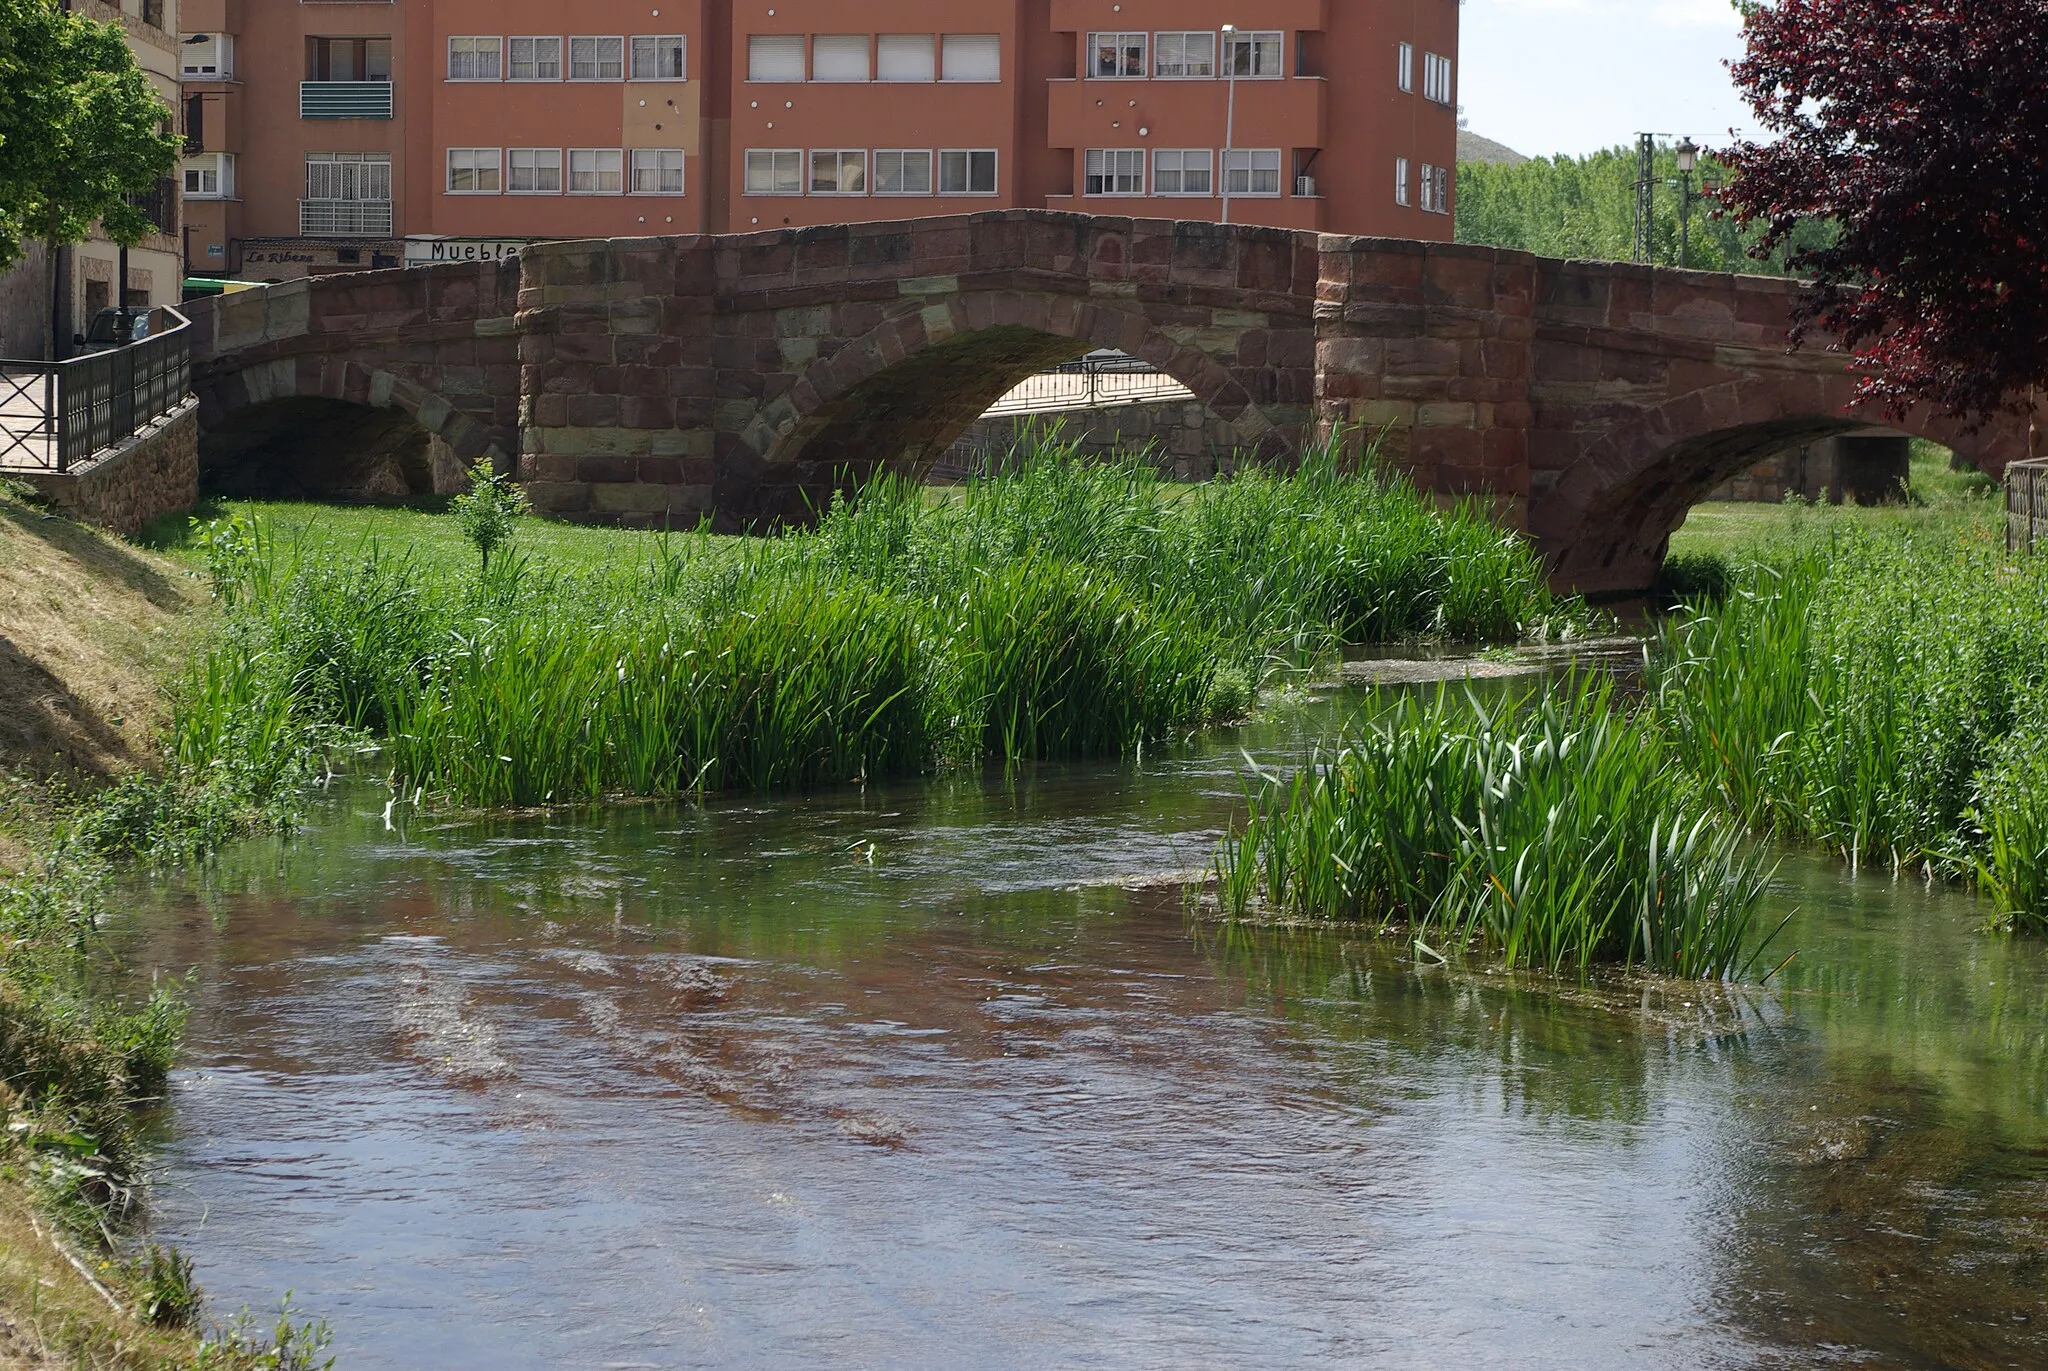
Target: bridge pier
x,y
744,378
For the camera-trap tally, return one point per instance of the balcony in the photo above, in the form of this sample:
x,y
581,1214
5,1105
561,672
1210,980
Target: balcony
x,y
344,99
344,218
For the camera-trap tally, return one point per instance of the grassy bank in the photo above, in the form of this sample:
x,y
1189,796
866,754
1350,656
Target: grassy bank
x,y
1068,609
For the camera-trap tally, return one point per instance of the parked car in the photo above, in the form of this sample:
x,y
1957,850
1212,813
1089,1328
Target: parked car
x,y
111,328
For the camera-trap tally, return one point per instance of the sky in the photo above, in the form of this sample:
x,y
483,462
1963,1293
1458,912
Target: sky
x,y
1550,76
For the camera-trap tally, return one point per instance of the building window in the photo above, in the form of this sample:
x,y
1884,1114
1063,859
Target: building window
x,y
1184,54
207,57
967,171
905,57
839,171
535,59
1254,54
775,171
1436,78
841,57
1251,171
903,171
1400,180
1183,171
597,59
474,171
1436,189
533,171
595,171
660,58
972,57
1115,171
348,59
1404,68
775,57
348,176
657,171
210,176
1116,54
474,59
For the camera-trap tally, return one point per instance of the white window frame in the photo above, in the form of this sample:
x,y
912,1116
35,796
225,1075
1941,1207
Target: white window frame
x,y
1402,195
1249,162
340,164
1178,39
535,61
1253,40
772,160
1119,42
217,48
597,58
782,43
596,169
1427,202
1404,69
995,164
948,40
657,161
839,165
677,44
1436,78
219,165
539,161
884,42
1181,169
476,53
901,158
1110,166
1443,190
843,44
480,162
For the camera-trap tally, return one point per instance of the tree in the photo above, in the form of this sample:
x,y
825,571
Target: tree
x,y
1584,207
488,513
80,130
1920,128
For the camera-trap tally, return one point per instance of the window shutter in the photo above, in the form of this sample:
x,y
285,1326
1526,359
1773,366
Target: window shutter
x,y
839,57
974,57
905,57
777,57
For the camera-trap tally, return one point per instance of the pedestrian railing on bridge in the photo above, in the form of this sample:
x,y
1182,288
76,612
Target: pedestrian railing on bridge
x,y
2026,505
1097,381
55,415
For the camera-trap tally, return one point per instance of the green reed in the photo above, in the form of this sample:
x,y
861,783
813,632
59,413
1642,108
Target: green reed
x,y
1556,834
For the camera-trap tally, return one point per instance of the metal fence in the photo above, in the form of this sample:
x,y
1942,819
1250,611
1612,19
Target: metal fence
x,y
2026,505
1093,382
56,415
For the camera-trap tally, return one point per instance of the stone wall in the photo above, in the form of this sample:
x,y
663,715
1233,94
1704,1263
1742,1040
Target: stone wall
x,y
1857,469
25,306
150,475
1185,441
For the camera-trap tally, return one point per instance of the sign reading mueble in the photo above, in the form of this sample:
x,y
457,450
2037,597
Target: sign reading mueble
x,y
424,251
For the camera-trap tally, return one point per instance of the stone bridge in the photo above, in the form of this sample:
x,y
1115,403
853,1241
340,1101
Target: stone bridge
x,y
656,381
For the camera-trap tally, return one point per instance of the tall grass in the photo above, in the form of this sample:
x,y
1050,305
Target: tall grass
x,y
1556,834
1881,695
1069,608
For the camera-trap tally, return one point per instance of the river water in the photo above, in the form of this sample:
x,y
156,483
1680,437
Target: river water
x,y
943,1076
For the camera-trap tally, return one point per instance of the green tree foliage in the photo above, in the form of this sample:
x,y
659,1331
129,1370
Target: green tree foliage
x,y
80,129
1584,207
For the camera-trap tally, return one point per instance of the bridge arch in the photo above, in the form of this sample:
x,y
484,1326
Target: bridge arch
x,y
1609,518
899,396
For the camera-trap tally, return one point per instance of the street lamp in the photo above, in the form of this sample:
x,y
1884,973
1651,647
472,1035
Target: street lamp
x,y
1229,111
1688,159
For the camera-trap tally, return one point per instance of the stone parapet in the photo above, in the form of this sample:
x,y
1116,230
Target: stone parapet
x,y
141,479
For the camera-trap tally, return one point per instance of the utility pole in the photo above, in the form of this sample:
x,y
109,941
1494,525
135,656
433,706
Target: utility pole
x,y
1229,111
1646,196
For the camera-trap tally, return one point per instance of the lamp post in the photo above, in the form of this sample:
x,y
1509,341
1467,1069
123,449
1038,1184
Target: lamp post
x,y
1688,159
1229,111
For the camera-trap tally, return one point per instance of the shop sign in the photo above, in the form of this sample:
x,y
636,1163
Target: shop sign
x,y
419,251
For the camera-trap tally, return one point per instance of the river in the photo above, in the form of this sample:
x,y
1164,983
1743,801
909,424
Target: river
x,y
947,1075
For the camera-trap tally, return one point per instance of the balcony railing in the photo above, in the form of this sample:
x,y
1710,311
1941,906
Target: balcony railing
x,y
344,99
56,415
345,218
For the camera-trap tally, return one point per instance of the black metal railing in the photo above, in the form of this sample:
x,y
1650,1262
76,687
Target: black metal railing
x,y
56,415
1097,381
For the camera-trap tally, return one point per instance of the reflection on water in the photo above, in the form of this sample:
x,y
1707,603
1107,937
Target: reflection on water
x,y
933,1077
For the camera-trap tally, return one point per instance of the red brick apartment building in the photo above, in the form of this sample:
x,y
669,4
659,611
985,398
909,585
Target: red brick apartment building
x,y
332,135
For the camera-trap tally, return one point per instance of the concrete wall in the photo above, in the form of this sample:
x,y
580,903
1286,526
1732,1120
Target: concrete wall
x,y
150,475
